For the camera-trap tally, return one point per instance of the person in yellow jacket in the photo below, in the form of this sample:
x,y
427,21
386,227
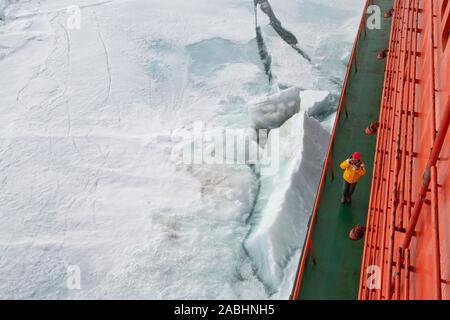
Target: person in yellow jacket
x,y
354,169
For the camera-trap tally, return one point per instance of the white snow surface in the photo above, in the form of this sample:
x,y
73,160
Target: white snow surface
x,y
87,116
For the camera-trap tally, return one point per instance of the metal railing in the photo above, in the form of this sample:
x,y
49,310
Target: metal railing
x,y
308,246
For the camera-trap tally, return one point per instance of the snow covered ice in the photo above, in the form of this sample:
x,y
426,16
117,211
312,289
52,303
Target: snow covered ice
x,y
273,111
88,176
286,199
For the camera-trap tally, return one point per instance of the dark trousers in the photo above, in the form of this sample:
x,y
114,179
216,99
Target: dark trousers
x,y
348,189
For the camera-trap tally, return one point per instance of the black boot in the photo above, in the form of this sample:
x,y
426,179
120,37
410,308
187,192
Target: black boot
x,y
348,199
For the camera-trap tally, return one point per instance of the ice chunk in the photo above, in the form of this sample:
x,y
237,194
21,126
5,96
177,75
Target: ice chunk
x,y
310,98
283,207
319,104
273,111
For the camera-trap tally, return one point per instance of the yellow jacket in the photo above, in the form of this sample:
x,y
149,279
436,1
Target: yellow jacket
x,y
352,173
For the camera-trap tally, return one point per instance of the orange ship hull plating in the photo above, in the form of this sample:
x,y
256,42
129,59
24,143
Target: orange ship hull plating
x,y
415,97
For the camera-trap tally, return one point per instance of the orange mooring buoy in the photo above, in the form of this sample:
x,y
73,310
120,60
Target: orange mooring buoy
x,y
357,232
389,13
372,128
382,54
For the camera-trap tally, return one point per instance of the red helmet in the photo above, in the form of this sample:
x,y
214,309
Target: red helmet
x,y
356,156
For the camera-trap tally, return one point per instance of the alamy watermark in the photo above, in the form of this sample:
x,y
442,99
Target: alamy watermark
x,y
73,281
74,19
373,277
373,17
200,146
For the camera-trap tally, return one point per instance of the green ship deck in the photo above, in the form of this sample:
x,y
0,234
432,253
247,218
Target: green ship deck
x,y
336,273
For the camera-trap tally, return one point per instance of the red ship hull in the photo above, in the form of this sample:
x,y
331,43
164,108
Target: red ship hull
x,y
407,244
